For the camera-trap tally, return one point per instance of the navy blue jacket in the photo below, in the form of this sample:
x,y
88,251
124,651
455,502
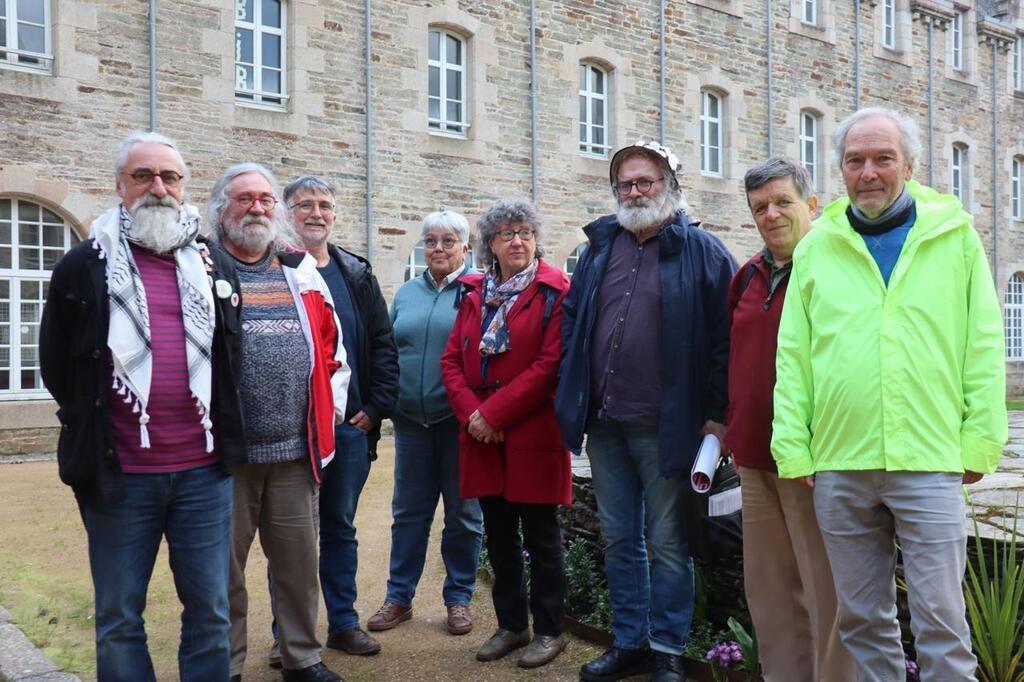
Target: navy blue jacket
x,y
695,269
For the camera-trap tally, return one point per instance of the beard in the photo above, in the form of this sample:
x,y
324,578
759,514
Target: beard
x,y
156,223
644,213
251,233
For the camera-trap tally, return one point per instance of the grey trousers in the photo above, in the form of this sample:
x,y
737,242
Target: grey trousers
x,y
861,513
279,500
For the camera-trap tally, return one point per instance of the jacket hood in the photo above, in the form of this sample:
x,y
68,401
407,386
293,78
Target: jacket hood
x,y
936,213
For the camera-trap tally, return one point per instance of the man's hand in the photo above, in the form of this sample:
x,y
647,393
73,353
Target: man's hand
x,y
361,421
972,477
807,480
479,428
718,430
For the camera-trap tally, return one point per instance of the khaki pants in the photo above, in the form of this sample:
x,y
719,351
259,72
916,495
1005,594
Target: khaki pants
x,y
279,501
788,583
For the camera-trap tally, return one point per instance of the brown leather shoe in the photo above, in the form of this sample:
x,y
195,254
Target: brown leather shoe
x,y
388,616
355,642
541,651
501,643
459,620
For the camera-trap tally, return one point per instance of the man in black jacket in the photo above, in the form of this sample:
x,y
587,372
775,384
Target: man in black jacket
x,y
139,347
372,392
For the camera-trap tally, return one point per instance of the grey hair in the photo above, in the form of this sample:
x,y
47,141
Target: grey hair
x,y
671,180
504,212
779,167
309,183
219,201
910,133
450,221
142,137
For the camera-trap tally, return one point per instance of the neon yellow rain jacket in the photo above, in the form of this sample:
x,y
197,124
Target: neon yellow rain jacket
x,y
909,378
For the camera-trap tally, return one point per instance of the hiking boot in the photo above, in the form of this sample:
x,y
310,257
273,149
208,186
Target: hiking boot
x,y
388,616
501,643
668,668
541,651
354,641
615,664
459,621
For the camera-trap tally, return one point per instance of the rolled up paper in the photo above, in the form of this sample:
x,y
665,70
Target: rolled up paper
x,y
705,464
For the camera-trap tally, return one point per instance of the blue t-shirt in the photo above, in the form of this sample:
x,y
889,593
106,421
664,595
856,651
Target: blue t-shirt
x,y
885,248
346,310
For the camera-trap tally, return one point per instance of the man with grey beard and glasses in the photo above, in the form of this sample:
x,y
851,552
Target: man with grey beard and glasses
x,y
137,346
645,342
294,389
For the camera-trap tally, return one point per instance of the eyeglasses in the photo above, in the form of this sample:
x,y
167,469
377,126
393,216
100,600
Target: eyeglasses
x,y
145,176
525,233
246,201
447,243
644,185
308,206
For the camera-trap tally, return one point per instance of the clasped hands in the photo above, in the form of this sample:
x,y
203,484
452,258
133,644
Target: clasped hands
x,y
479,429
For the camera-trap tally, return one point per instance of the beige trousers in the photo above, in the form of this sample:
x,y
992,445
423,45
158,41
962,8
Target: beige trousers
x,y
788,582
278,500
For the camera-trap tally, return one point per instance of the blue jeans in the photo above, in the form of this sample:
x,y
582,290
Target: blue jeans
x,y
193,510
427,466
343,481
651,602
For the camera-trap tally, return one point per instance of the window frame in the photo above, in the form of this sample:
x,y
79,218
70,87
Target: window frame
x,y
12,56
574,258
587,146
1013,317
257,96
442,125
814,140
956,34
957,167
889,24
706,121
1017,64
811,5
1017,188
15,275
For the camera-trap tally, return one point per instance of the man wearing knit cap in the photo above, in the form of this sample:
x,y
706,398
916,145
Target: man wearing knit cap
x,y
890,395
645,341
138,347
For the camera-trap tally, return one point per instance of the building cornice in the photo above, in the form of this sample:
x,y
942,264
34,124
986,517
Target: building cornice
x,y
937,13
995,32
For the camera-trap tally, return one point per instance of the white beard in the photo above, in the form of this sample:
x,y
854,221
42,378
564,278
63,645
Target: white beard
x,y
156,223
251,233
644,213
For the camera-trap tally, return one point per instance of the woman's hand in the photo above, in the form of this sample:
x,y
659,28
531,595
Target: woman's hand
x,y
482,431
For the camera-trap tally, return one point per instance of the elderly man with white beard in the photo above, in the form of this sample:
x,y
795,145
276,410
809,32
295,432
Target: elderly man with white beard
x,y
294,388
137,346
645,342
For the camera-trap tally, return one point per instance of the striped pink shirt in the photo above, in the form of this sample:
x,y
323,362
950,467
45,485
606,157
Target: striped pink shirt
x,y
176,436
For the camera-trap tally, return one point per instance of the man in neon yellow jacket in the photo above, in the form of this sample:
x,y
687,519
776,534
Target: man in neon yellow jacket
x,y
890,393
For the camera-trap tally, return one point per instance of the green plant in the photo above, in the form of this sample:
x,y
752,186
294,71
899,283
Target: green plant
x,y
484,564
993,592
700,594
748,643
703,636
581,574
601,615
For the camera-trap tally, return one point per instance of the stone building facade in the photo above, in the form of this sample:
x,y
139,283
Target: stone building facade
x,y
283,82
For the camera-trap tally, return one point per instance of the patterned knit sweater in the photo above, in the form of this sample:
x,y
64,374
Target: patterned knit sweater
x,y
275,365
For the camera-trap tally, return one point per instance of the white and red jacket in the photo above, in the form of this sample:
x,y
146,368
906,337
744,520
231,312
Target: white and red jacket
x,y
329,372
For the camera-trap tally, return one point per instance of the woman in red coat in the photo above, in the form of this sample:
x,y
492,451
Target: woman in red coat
x,y
500,369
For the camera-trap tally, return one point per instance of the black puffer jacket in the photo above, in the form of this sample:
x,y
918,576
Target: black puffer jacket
x,y
74,364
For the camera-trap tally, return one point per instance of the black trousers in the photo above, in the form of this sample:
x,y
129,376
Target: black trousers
x,y
543,540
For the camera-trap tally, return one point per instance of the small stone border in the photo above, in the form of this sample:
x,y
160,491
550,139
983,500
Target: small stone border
x,y
21,661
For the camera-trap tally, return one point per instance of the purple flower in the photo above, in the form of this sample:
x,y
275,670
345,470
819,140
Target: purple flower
x,y
724,654
913,670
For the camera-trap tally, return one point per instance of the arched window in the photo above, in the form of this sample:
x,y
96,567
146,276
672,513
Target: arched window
x,y
711,116
32,240
593,110
1017,188
958,169
809,147
1013,310
447,69
574,257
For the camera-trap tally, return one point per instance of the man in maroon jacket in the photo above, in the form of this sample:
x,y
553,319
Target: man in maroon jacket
x,y
788,579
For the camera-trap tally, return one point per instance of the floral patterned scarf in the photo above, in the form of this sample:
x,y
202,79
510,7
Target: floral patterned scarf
x,y
502,296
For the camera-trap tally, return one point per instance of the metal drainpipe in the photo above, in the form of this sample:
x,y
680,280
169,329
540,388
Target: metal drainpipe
x,y
533,101
661,75
856,54
768,38
995,183
152,65
931,123
369,136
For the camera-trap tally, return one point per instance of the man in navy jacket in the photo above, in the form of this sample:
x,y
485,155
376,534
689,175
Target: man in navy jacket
x,y
645,342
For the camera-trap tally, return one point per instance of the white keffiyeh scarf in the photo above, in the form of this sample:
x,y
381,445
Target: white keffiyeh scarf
x,y
129,335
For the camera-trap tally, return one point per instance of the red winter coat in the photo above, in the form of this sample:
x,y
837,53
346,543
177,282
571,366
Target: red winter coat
x,y
531,465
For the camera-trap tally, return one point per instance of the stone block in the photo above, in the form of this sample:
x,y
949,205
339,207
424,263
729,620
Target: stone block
x,y
19,658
